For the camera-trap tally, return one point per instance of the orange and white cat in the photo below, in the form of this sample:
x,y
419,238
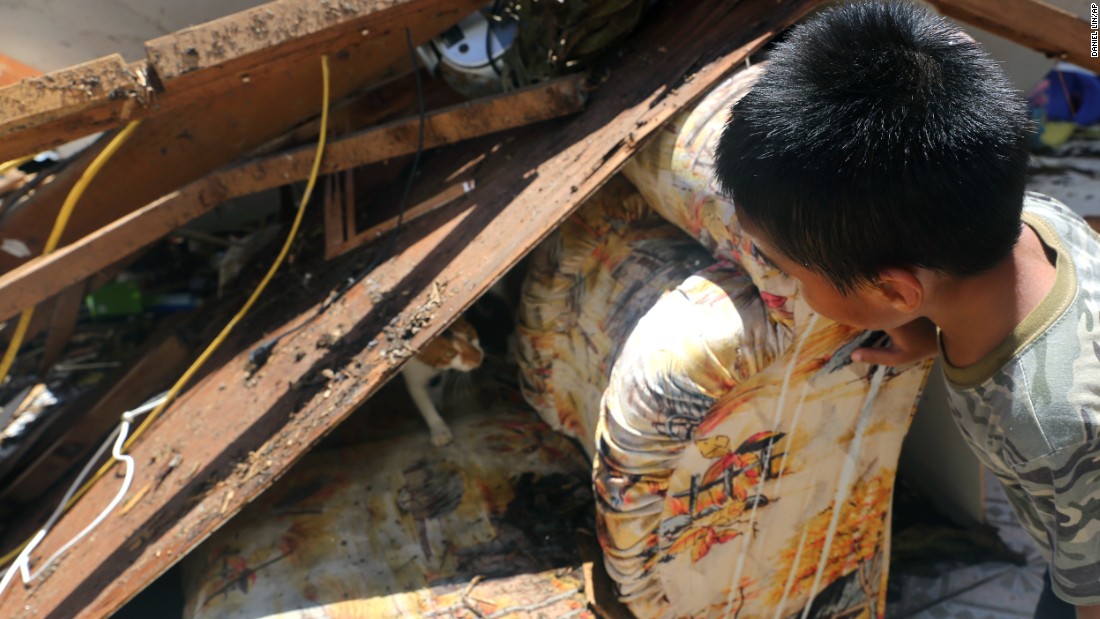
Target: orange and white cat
x,y
457,348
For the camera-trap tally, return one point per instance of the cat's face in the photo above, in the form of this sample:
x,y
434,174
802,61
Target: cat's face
x,y
457,348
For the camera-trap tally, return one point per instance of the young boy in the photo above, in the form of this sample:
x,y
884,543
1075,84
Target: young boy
x,y
881,162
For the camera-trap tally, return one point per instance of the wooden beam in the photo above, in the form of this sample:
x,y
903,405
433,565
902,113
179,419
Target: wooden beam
x,y
74,263
209,61
241,42
45,276
62,324
467,120
170,150
525,189
42,112
1036,24
11,71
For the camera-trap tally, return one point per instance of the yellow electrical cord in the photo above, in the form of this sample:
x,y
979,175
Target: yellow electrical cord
x,y
51,244
8,166
191,371
58,229
206,354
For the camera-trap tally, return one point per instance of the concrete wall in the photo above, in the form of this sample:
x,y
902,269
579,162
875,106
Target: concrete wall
x,y
53,34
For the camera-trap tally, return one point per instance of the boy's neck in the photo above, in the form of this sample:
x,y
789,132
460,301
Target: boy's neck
x,y
976,314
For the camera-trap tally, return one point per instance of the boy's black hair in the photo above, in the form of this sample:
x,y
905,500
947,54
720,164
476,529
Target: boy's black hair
x,y
879,135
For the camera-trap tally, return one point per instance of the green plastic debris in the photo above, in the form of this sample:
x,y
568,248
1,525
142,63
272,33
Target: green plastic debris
x,y
114,299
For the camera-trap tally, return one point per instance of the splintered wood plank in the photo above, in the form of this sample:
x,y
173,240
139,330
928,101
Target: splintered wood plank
x,y
432,204
42,277
62,324
1043,27
170,150
246,39
333,216
237,434
184,68
45,111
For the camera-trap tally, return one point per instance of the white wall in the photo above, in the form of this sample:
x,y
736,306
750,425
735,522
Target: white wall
x,y
934,451
1023,65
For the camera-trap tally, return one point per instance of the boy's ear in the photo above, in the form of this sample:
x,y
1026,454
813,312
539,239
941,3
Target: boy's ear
x,y
901,288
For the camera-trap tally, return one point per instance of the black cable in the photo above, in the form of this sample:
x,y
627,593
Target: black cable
x,y
493,16
259,356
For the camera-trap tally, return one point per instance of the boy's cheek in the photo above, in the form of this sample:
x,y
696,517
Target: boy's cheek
x,y
844,310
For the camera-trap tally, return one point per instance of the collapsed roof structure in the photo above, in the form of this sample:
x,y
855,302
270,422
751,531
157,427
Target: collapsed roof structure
x,y
231,108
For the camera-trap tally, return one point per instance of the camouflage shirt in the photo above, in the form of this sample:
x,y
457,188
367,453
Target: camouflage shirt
x,y
1031,408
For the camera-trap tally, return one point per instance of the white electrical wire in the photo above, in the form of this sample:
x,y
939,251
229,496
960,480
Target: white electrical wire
x,y
118,437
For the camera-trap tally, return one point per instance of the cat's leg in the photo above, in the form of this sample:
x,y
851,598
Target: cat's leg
x,y
417,375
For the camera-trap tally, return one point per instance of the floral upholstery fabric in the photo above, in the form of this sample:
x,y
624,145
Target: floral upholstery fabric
x,y
675,176
586,286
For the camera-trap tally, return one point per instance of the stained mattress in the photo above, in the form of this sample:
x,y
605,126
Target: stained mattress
x,y
402,529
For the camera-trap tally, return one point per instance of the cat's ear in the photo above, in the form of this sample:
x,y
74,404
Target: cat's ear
x,y
437,353
459,327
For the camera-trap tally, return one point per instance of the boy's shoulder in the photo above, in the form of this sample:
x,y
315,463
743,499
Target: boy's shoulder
x,y
1043,392
1036,421
1076,235
1077,279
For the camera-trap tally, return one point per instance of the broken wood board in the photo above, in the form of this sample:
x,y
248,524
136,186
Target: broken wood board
x,y
62,324
359,239
44,276
209,62
237,434
170,150
237,43
339,196
1043,27
42,112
